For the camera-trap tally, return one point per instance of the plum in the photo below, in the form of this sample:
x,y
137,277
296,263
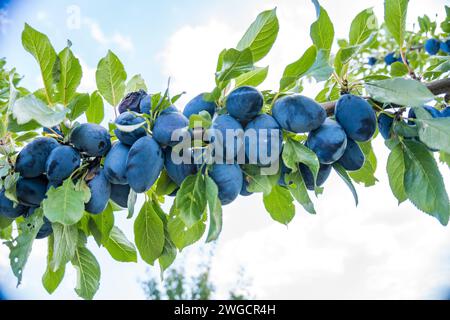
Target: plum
x,y
435,113
92,139
62,161
328,142
31,160
170,109
9,209
228,178
145,105
177,172
166,124
372,61
53,130
45,230
31,191
244,191
432,46
356,117
445,46
308,178
129,119
115,165
267,131
298,113
385,123
120,193
445,112
244,103
353,157
390,58
100,189
132,101
144,164
199,104
227,149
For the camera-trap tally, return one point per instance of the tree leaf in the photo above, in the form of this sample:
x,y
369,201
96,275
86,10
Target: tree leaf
x,y
435,133
259,182
95,111
362,27
70,76
343,174
261,35
398,69
104,223
445,158
366,174
252,78
295,70
110,78
51,280
321,69
215,210
136,83
294,152
119,247
191,199
396,173
235,63
322,31
88,273
78,105
181,235
299,192
65,243
279,203
395,18
149,234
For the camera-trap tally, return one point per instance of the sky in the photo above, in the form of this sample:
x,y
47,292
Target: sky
x,y
377,251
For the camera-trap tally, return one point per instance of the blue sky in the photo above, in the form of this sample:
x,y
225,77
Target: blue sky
x,y
378,250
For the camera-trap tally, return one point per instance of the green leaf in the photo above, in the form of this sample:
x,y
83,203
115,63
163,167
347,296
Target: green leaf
x,y
149,234
165,185
202,120
343,174
322,31
398,69
261,35
259,182
362,27
294,152
64,204
78,105
396,173
445,158
95,111
252,78
51,279
395,18
88,273
110,78
104,223
65,243
42,50
20,247
191,199
70,76
404,92
435,133
423,182
215,210
297,69
279,203
235,63
132,198
136,83
6,232
31,108
298,190
119,247
366,174
181,235
321,69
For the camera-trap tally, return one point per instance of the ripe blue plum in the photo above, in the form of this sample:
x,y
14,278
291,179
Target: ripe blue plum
x,y
353,157
31,191
199,104
244,103
244,191
9,209
308,178
53,130
132,101
31,160
445,112
390,58
129,119
223,147
62,161
432,46
100,189
120,193
385,123
144,164
166,124
177,172
228,178
145,105
372,61
356,116
445,46
435,113
115,165
269,139
91,139
298,113
328,142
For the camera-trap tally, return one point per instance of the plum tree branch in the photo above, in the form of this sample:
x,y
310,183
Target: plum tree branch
x,y
437,87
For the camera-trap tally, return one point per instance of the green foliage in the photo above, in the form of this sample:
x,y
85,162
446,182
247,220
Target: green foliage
x,y
110,77
395,18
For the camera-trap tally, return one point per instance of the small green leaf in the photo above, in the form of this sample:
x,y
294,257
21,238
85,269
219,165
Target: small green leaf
x,y
396,173
215,210
181,235
70,76
235,63
295,70
279,203
104,223
51,279
165,185
362,27
294,152
321,69
395,18
136,83
78,105
95,111
191,199
366,174
344,175
119,247
435,133
398,69
202,120
259,182
110,78
445,158
322,31
299,192
65,242
252,78
88,273
132,198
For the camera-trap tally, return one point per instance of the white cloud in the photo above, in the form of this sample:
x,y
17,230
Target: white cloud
x,y
124,42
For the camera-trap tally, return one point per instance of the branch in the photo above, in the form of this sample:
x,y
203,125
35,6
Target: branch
x,y
437,87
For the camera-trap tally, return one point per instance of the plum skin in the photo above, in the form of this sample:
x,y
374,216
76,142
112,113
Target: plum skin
x,y
115,165
390,58
308,178
445,112
217,136
263,141
119,194
10,210
100,193
445,46
385,123
32,158
92,139
132,101
328,142
244,103
353,157
356,117
31,191
177,172
435,113
127,119
199,104
144,164
432,46
228,178
298,113
62,162
145,105
165,124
